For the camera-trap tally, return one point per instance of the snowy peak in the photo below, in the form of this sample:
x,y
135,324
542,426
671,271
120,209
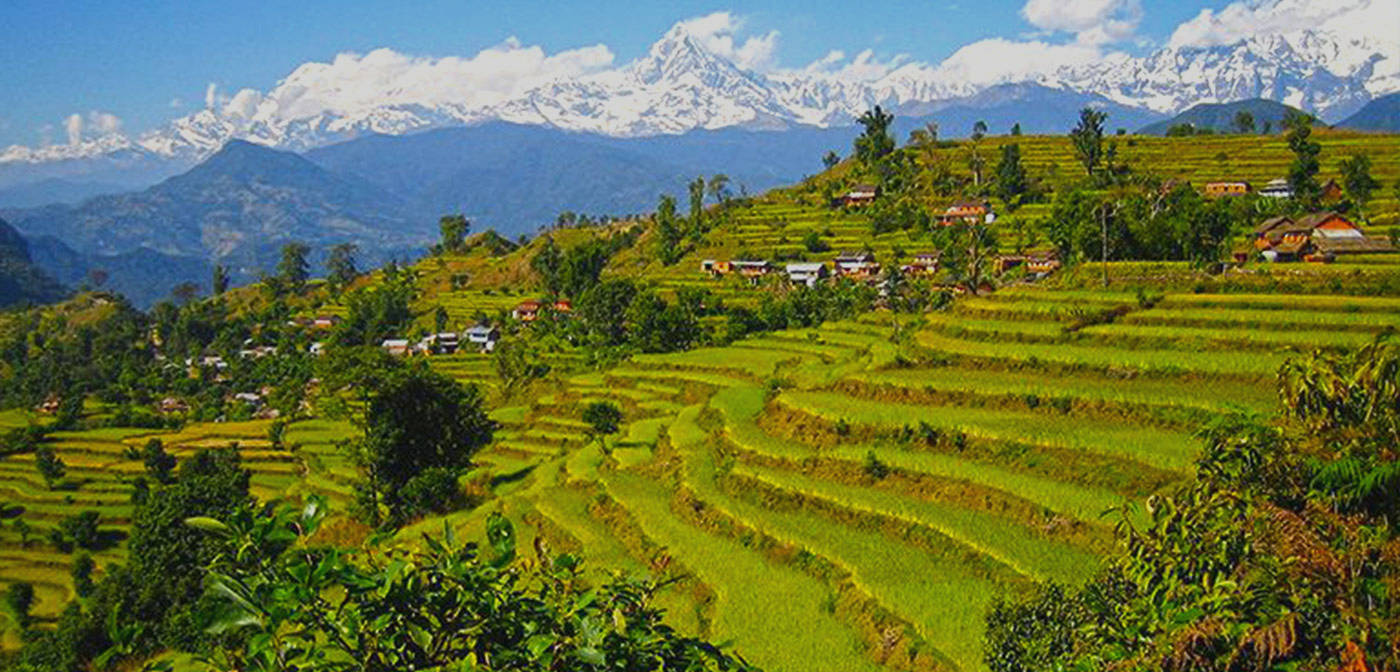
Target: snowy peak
x,y
680,85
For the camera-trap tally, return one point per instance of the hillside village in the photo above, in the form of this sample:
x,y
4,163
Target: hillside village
x,y
869,421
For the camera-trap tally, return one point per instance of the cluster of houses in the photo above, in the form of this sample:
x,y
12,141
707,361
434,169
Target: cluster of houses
x,y
861,266
482,337
529,311
1276,188
1317,237
970,212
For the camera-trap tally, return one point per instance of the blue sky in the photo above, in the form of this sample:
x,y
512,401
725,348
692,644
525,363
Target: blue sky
x,y
144,63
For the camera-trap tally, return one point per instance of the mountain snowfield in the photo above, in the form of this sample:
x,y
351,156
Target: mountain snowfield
x,y
680,86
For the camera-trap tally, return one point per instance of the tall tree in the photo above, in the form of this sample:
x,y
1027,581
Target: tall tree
x,y
979,131
220,280
453,230
340,265
185,293
1011,181
1302,174
50,466
417,421
1087,138
875,140
668,231
1244,122
831,159
547,263
1356,177
696,190
719,187
293,270
1016,129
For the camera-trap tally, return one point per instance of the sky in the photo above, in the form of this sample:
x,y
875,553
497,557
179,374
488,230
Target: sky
x,y
72,69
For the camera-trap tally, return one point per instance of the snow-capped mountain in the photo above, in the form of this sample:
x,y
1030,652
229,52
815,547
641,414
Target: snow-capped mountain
x,y
680,86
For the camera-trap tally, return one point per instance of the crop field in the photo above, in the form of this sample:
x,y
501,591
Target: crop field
x,y
848,497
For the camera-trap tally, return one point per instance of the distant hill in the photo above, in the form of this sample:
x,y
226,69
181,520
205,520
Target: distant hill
x,y
237,208
1381,114
1038,109
514,177
1220,117
55,190
21,281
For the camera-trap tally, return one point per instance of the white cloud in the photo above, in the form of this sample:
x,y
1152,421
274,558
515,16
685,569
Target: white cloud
x,y
997,61
1378,20
96,124
357,82
1091,21
865,67
211,95
717,32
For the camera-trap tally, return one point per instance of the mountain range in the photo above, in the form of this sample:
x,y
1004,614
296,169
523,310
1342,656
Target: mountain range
x,y
681,86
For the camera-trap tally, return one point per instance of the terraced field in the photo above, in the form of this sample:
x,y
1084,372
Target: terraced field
x,y
838,499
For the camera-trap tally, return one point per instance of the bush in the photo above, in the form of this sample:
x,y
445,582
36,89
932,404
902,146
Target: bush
x,y
434,490
82,529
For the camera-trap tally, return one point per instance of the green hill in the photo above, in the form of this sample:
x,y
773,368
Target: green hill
x,y
1267,115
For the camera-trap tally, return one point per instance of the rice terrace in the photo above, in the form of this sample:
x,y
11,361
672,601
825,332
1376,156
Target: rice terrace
x,y
1116,387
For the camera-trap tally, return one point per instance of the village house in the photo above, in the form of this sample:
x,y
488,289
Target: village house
x,y
1331,191
715,268
925,263
1319,236
444,343
1277,188
172,405
752,270
860,195
970,212
484,337
858,265
50,405
527,311
1223,189
1043,263
563,306
396,346
806,273
326,321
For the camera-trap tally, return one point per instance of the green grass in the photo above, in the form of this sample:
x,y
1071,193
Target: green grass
x,y
1226,362
1162,449
774,615
1219,396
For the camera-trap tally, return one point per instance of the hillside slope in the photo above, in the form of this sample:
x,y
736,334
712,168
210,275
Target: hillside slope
x,y
1221,117
1381,114
20,279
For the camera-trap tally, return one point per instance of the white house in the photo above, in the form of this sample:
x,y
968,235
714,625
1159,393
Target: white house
x,y
1278,188
444,343
806,273
395,346
484,337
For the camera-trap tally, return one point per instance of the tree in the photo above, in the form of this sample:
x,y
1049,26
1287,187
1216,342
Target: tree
x,y
719,187
668,231
436,605
185,293
1356,177
82,529
453,230
603,309
50,465
19,598
1016,129
831,159
1011,181
1087,139
697,207
340,266
220,280
517,365
979,131
813,243
1302,173
1244,122
160,465
81,573
548,263
416,420
602,418
276,434
875,140
293,270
